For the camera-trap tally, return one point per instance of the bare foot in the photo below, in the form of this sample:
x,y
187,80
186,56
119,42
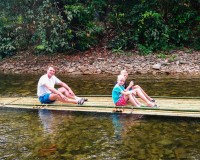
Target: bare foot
x,y
151,104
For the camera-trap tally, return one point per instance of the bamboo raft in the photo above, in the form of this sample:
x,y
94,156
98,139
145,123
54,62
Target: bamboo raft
x,y
169,106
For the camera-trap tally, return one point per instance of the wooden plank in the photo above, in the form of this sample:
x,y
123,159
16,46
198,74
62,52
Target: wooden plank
x,y
169,106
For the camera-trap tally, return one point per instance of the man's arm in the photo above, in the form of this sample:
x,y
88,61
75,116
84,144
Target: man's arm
x,y
55,91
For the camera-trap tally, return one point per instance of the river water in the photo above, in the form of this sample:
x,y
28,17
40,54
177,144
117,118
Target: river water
x,y
27,134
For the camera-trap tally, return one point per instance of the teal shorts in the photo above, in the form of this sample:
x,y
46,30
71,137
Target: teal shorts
x,y
45,99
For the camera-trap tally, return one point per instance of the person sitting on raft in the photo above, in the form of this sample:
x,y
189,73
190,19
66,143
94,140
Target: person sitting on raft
x,y
132,86
48,94
120,97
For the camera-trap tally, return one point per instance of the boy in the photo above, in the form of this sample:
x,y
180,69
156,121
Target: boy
x,y
120,96
131,85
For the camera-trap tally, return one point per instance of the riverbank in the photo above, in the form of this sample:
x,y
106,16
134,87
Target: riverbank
x,y
102,61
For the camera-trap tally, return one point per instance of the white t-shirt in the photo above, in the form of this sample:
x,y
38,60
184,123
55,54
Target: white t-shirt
x,y
41,89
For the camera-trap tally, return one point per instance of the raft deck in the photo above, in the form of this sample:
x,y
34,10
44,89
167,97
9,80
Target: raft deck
x,y
169,106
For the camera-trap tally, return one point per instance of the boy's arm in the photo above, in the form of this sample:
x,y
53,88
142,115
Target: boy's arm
x,y
129,86
127,92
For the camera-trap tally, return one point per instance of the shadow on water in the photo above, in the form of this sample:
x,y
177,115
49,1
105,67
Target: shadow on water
x,y
43,134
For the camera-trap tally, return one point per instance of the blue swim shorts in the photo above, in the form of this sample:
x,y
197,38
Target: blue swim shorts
x,y
45,99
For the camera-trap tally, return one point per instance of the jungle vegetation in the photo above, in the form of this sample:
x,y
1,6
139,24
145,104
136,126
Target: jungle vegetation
x,y
68,26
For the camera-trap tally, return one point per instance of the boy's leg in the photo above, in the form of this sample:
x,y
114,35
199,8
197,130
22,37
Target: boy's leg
x,y
136,100
143,97
133,101
146,95
121,102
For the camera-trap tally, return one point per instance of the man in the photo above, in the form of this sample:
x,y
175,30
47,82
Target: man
x,y
48,94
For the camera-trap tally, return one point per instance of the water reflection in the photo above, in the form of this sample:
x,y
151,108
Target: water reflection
x,y
77,135
117,126
161,85
121,123
168,139
47,120
26,134
51,119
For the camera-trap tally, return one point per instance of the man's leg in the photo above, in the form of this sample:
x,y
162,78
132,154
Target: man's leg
x,y
54,97
67,94
71,95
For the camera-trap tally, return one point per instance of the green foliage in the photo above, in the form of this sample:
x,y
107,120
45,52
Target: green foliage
x,y
155,25
161,55
172,58
143,50
14,32
82,24
12,37
51,26
6,47
72,29
50,30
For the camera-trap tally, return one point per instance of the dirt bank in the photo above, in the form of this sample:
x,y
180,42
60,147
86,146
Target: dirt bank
x,y
102,61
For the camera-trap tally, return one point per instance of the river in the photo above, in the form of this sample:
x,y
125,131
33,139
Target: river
x,y
27,134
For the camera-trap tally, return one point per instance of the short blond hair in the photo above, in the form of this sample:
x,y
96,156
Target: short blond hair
x,y
120,77
123,71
